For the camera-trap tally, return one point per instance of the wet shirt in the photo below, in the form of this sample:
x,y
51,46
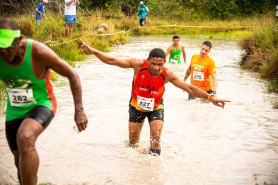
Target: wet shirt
x,y
201,71
175,55
24,89
147,91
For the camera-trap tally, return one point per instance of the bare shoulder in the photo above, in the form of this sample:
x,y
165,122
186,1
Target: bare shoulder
x,y
44,54
170,76
136,63
39,47
41,50
171,47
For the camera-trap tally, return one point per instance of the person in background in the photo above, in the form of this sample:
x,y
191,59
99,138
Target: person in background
x,y
175,51
143,13
25,70
203,71
126,9
148,86
277,12
40,9
70,15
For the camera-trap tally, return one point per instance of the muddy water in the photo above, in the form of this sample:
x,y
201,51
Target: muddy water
x,y
201,143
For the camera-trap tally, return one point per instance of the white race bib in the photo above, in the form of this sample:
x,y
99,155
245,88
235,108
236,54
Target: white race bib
x,y
173,61
199,76
145,103
21,97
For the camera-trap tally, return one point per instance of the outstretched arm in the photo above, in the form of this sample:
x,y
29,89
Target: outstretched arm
x,y
195,91
48,59
121,62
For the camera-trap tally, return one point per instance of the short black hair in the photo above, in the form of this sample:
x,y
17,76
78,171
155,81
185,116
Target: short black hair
x,y
158,53
8,24
207,43
176,37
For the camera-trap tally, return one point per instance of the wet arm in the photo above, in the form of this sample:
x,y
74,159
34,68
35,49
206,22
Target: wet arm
x,y
184,54
214,82
188,71
76,89
50,60
121,62
191,89
168,51
195,91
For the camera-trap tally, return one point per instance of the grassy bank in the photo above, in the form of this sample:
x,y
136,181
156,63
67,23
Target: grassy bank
x,y
117,27
261,54
51,30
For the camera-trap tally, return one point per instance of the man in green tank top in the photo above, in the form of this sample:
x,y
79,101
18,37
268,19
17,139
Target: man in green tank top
x,y
25,70
175,51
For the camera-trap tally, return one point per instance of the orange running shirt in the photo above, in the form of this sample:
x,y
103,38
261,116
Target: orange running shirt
x,y
147,91
201,71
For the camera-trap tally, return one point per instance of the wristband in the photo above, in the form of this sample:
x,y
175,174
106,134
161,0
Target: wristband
x,y
209,97
214,92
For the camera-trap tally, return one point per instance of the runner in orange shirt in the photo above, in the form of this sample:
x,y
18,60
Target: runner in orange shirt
x,y
203,71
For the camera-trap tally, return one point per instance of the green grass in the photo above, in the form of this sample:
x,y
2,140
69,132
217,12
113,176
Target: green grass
x,y
2,96
51,32
261,54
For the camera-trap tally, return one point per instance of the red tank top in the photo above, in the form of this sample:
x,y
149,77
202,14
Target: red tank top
x,y
147,91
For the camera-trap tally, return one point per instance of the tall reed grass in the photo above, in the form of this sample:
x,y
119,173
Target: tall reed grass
x,y
261,54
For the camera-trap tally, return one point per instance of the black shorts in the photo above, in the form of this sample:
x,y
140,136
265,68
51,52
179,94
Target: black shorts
x,y
41,114
137,116
142,21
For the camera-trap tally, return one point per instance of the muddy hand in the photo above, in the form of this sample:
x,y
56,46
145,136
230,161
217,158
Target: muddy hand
x,y
219,102
81,120
85,48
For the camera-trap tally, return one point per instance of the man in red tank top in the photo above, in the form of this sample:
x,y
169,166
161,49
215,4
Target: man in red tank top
x,y
149,79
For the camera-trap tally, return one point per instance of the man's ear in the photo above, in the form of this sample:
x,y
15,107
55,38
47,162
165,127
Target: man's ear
x,y
20,38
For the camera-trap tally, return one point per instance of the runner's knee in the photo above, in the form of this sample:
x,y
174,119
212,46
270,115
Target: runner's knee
x,y
25,140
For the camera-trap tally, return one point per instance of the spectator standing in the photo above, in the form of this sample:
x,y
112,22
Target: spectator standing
x,y
143,12
70,15
277,12
40,10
